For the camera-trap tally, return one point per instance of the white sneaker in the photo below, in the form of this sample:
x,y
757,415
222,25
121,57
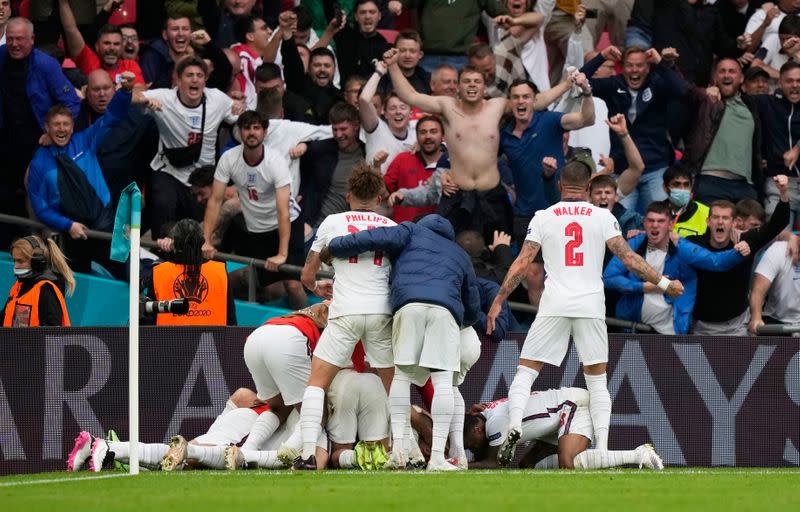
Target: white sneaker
x,y
506,452
441,465
233,458
396,461
287,455
459,461
99,452
175,458
649,458
80,452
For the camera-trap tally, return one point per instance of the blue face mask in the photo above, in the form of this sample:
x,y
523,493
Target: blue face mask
x,y
680,197
22,273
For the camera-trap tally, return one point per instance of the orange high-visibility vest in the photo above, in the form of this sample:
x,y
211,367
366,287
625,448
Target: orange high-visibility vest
x,y
208,298
23,310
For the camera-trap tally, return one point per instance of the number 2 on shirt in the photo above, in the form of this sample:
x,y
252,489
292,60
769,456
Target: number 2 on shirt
x,y
572,258
378,260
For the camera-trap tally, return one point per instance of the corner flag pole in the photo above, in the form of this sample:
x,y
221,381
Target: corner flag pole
x,y
133,336
124,245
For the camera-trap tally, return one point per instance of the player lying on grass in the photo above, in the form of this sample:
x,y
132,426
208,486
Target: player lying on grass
x,y
558,417
208,450
357,408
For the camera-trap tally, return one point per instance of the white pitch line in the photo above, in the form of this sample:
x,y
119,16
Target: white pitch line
x,y
60,480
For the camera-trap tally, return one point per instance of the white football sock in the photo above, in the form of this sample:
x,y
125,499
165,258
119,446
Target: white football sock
x,y
209,456
599,459
311,418
266,459
295,440
149,454
413,446
457,426
346,459
262,429
399,402
518,394
441,411
229,406
549,462
599,408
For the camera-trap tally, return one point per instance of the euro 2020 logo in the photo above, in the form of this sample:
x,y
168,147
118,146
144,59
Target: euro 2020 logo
x,y
196,290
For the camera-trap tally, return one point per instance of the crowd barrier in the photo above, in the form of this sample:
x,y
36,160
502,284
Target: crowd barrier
x,y
702,401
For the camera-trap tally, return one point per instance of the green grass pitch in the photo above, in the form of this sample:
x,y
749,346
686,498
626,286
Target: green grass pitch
x,y
493,491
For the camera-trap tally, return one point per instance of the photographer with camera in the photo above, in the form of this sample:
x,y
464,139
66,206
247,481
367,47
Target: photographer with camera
x,y
37,298
204,284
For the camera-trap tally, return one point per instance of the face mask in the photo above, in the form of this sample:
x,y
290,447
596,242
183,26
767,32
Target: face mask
x,y
679,197
21,273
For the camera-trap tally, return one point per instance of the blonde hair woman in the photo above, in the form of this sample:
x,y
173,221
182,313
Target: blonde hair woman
x,y
37,298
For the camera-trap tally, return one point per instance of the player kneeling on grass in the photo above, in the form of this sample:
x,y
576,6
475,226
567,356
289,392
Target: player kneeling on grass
x,y
231,426
558,417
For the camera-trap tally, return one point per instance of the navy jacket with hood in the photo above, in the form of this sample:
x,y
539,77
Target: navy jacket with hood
x,y
427,265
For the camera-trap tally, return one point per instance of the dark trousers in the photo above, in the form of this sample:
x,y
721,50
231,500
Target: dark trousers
x,y
481,211
708,189
169,201
265,245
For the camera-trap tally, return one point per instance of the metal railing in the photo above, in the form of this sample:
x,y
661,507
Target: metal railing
x,y
295,271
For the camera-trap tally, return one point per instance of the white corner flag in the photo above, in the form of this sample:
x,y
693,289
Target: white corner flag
x,y
124,243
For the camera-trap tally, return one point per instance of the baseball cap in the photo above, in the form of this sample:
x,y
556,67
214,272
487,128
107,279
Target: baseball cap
x,y
754,72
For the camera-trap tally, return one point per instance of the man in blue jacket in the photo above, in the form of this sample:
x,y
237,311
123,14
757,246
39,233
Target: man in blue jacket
x,y
642,94
30,83
434,292
55,203
644,302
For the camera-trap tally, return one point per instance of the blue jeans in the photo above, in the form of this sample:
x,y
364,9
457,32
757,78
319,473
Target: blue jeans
x,y
635,36
649,189
431,61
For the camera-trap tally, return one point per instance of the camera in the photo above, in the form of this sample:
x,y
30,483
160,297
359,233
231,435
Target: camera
x,y
175,306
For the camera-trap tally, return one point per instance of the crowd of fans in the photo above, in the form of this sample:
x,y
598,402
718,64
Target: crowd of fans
x,y
250,116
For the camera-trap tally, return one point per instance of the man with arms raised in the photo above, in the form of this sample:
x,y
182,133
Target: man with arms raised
x,y
360,308
473,137
573,235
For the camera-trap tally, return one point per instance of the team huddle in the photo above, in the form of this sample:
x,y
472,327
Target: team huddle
x,y
333,381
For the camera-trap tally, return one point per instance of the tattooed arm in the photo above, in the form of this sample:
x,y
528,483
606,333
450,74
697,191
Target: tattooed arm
x,y
516,273
639,266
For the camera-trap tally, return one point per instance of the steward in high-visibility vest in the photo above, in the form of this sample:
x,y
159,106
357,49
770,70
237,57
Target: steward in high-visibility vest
x,y
37,298
203,283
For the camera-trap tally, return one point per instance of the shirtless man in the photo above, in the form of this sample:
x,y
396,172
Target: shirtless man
x,y
471,123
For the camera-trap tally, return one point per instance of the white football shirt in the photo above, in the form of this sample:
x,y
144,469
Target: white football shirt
x,y
256,186
361,283
179,126
382,139
573,236
782,303
283,135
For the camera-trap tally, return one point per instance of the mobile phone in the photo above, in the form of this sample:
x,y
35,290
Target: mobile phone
x,y
337,12
761,54
591,14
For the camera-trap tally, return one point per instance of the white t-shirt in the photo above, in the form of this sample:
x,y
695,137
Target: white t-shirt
x,y
783,298
361,284
283,135
573,236
595,137
774,58
179,126
655,310
758,18
382,139
256,186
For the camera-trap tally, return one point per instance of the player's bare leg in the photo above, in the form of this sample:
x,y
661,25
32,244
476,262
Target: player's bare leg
x,y
322,374
599,402
518,394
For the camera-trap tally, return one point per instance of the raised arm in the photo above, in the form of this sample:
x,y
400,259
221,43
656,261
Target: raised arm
x,y
334,26
578,120
629,178
547,98
74,39
758,293
430,104
366,110
639,266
